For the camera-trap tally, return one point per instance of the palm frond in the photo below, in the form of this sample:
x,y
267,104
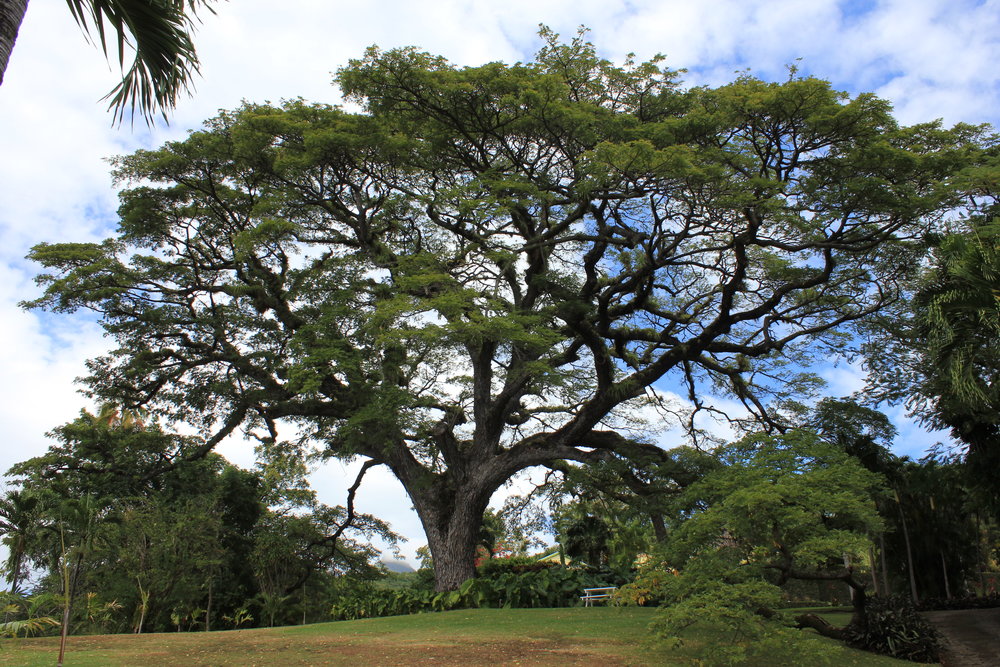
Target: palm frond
x,y
159,35
26,627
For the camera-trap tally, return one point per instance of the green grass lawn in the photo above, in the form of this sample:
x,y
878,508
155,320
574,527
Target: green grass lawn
x,y
578,636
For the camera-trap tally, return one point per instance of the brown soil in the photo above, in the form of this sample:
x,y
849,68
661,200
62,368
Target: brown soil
x,y
226,650
491,653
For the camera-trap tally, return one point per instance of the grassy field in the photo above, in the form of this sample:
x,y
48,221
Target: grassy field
x,y
579,636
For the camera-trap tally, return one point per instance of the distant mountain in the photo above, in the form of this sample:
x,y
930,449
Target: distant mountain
x,y
397,566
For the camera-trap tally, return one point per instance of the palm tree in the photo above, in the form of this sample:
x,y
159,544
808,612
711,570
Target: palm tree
x,y
11,15
958,318
157,31
18,523
111,415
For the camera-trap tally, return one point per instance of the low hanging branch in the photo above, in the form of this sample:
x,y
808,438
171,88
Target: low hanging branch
x,y
351,492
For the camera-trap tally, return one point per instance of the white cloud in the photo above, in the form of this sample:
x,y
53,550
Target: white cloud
x,y
843,378
931,58
381,495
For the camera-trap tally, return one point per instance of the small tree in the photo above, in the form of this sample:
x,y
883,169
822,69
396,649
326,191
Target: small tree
x,y
110,520
19,526
780,508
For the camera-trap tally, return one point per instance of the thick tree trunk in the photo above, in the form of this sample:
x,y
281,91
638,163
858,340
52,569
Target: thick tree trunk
x,y
454,560
452,531
11,16
859,602
451,503
451,512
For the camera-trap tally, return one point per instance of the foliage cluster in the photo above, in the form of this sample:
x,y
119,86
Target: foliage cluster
x,y
25,615
494,567
201,545
893,627
776,509
510,585
938,353
740,613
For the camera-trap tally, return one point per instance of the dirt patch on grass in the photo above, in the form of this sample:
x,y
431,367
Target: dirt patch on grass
x,y
403,654
487,653
232,649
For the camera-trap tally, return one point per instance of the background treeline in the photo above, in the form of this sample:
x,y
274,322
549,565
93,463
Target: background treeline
x,y
144,542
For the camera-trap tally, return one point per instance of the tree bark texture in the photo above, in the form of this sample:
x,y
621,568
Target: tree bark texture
x,y
11,15
451,518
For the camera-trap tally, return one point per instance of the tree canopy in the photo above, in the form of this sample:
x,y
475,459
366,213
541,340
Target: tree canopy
x,y
490,268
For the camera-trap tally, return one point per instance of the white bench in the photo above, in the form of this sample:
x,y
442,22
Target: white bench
x,y
590,595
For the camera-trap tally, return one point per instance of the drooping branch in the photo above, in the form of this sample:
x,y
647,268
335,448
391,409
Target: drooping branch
x,y
348,521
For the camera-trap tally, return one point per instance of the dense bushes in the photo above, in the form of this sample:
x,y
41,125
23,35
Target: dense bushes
x,y
893,627
508,584
493,567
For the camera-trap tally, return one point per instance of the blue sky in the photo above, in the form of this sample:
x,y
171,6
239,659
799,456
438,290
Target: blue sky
x,y
930,58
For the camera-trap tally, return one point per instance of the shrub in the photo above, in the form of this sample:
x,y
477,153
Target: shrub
x,y
27,615
736,614
893,627
648,588
513,565
549,586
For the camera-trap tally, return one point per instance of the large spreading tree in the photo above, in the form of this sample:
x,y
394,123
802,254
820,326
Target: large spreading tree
x,y
489,268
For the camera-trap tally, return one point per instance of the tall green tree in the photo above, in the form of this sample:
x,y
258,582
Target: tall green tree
x,y
959,316
941,355
158,33
489,268
930,544
18,526
938,505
